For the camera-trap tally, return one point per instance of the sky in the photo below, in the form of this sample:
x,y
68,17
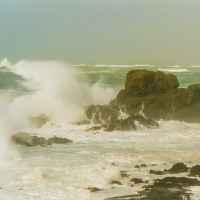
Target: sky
x,y
101,31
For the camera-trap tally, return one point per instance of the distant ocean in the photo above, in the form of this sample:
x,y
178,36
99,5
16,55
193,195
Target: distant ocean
x,y
61,92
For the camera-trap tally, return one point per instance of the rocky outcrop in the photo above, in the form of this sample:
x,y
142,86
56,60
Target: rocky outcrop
x,y
31,141
134,122
156,95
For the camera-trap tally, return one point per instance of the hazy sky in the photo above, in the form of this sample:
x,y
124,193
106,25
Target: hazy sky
x,y
101,31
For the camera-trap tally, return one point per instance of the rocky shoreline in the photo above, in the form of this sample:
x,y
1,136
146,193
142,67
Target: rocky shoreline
x,y
153,95
172,184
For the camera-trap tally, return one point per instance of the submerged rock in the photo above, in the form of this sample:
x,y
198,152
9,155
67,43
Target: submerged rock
x,y
94,189
58,140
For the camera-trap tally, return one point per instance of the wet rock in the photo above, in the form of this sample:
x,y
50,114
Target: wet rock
x,y
103,114
178,168
195,171
28,140
58,140
113,182
113,164
94,189
134,122
168,188
157,172
94,128
31,141
145,82
124,174
176,182
142,165
156,95
137,180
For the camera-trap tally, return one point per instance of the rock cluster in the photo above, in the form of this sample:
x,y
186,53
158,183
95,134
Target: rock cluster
x,y
152,95
31,141
157,96
165,188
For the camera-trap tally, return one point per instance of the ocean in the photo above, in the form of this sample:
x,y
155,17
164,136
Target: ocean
x,y
94,159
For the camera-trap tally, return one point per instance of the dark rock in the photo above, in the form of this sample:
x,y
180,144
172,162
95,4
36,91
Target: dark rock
x,y
145,82
94,189
168,188
123,174
195,171
113,164
58,140
137,180
103,114
156,95
31,141
178,168
115,182
134,122
94,128
28,140
176,182
157,172
143,165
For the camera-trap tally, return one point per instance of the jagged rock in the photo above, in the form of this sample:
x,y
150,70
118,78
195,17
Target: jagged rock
x,y
178,168
103,114
131,123
156,95
168,188
58,140
28,140
195,171
134,122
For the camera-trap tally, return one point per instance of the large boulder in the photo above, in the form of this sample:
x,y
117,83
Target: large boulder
x,y
145,82
156,95
28,140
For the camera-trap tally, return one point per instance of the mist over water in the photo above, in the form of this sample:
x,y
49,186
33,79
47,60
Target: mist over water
x,y
53,88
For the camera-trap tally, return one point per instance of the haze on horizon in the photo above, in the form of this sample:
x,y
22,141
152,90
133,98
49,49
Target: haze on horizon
x,y
101,31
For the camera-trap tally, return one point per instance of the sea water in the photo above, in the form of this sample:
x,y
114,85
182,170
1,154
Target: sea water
x,y
95,158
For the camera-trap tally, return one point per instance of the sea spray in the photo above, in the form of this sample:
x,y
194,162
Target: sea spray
x,y
53,88
57,90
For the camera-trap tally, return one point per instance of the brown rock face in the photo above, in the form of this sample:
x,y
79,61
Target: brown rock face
x,y
156,95
143,82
